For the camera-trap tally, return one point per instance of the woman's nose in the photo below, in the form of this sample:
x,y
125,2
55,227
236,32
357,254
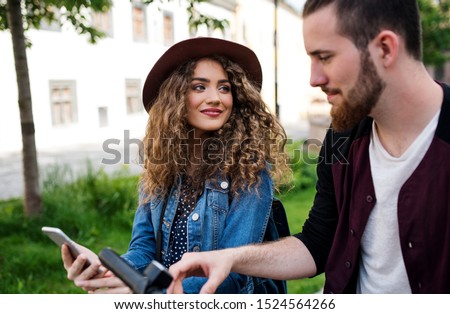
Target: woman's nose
x,y
213,97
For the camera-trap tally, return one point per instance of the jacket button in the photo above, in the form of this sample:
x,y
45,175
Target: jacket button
x,y
369,198
195,217
410,245
348,264
196,248
224,185
352,232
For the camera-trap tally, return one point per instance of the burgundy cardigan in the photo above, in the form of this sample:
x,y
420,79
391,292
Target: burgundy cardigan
x,y
346,196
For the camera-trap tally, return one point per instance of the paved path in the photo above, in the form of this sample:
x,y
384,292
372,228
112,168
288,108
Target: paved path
x,y
11,177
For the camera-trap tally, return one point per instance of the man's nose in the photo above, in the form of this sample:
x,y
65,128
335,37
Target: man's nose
x,y
318,77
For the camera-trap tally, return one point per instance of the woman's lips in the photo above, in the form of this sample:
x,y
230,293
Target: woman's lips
x,y
211,112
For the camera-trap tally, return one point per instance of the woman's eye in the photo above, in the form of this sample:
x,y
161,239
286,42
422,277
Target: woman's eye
x,y
225,88
198,87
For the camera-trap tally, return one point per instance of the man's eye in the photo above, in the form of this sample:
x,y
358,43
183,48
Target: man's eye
x,y
324,58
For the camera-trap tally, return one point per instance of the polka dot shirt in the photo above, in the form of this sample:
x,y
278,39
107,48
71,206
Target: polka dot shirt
x,y
178,235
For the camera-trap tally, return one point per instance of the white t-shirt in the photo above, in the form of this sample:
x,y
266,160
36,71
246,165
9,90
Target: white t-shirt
x,y
382,269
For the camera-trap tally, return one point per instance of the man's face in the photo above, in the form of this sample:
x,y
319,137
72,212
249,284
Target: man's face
x,y
361,98
346,75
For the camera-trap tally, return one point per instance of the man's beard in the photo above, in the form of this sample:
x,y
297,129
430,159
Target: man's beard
x,y
361,99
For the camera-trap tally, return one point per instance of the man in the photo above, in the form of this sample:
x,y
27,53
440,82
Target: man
x,y
380,222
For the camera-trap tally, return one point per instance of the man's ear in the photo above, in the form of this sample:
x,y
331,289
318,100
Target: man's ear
x,y
387,46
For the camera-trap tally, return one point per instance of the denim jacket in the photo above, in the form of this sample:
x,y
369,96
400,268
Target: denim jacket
x,y
220,220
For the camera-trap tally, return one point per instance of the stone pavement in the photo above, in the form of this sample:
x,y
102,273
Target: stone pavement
x,y
110,159
11,176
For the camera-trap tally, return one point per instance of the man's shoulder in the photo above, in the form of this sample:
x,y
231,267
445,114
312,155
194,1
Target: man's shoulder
x,y
443,127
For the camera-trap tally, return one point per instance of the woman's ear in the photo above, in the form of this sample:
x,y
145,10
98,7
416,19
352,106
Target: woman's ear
x,y
387,47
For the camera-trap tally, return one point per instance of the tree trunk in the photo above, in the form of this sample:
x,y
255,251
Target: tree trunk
x,y
29,156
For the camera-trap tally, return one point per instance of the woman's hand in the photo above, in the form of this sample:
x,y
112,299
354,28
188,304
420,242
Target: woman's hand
x,y
109,283
76,268
94,278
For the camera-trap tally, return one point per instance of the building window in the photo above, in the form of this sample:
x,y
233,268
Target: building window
x,y
102,21
63,102
133,95
139,19
102,116
168,28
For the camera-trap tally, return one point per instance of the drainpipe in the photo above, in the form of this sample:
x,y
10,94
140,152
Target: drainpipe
x,y
275,43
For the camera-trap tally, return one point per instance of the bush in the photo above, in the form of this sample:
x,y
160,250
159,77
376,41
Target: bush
x,y
303,165
89,196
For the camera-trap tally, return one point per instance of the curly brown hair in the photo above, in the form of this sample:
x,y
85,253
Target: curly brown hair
x,y
250,141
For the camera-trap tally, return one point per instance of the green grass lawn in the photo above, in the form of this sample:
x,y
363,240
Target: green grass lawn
x,y
297,204
97,211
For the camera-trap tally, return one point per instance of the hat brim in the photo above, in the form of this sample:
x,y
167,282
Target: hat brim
x,y
199,47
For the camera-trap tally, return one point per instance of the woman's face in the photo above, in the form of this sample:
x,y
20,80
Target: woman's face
x,y
209,97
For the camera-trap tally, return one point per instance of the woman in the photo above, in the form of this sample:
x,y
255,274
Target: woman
x,y
211,150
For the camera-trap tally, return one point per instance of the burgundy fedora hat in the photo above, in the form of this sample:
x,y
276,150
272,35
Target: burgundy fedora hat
x,y
197,48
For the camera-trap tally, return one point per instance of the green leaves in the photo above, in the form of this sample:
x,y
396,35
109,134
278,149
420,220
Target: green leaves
x,y
36,12
436,31
196,18
76,12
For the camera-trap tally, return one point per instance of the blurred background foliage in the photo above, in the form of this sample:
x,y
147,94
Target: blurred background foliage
x,y
435,16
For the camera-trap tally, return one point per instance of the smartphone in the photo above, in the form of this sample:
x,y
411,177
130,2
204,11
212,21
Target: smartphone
x,y
60,238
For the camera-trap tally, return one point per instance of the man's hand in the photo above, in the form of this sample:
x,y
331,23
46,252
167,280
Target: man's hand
x,y
216,265
285,259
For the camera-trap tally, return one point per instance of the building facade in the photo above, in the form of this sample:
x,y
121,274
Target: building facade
x,y
86,93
